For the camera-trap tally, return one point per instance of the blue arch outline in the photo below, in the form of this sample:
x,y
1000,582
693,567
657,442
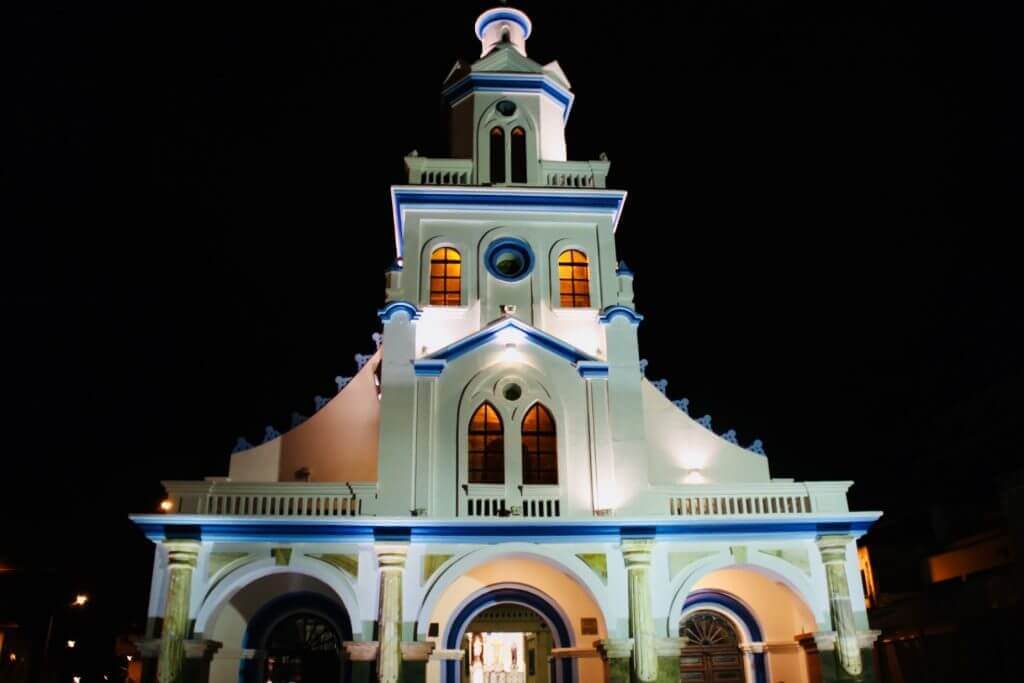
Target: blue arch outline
x,y
258,628
722,599
457,626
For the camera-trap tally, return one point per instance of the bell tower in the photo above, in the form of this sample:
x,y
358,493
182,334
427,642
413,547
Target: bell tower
x,y
506,111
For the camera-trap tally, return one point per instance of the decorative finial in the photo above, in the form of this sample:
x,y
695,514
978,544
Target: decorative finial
x,y
683,404
241,445
269,433
757,447
661,385
705,422
319,402
602,156
297,419
730,436
378,339
342,382
362,359
643,366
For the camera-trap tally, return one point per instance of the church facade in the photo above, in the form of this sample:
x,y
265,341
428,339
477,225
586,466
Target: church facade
x,y
498,494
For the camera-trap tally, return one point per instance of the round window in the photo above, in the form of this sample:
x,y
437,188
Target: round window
x,y
509,259
506,108
512,392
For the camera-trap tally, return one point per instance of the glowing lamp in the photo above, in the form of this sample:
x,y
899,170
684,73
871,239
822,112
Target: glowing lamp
x,y
694,476
166,505
80,600
71,644
13,657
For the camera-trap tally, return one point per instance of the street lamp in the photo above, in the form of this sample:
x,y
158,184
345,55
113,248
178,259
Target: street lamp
x,y
80,600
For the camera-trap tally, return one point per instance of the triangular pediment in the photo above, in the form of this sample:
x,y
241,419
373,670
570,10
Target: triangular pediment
x,y
502,331
506,59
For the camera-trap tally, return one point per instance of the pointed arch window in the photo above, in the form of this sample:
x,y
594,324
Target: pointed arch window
x,y
486,447
574,279
540,447
445,277
518,155
497,154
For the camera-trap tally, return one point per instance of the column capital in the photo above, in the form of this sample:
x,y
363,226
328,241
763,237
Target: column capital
x,y
614,649
182,553
833,548
636,552
391,555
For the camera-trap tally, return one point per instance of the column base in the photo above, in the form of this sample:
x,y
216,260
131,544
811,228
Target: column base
x,y
616,655
823,665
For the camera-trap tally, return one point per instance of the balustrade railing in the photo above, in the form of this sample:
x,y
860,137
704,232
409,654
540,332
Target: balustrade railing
x,y
755,499
280,499
427,171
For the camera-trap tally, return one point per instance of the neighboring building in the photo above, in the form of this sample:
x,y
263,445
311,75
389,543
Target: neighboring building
x,y
499,494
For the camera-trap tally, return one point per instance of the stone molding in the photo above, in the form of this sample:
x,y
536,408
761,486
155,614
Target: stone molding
x,y
442,655
201,649
669,647
360,650
573,652
417,650
614,649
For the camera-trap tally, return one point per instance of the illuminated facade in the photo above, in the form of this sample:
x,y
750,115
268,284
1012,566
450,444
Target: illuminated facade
x,y
499,494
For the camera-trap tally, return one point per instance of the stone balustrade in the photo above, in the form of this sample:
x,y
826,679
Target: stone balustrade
x,y
754,499
272,499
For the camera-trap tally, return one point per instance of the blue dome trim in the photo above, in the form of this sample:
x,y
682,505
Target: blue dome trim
x,y
612,312
385,314
502,14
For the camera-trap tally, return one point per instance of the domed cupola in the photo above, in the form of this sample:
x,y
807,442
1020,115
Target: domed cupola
x,y
503,26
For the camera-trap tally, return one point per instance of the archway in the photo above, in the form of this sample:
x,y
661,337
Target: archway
x,y
717,624
300,638
540,604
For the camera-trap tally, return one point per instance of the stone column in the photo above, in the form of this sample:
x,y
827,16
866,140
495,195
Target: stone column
x,y
833,555
391,558
637,555
181,561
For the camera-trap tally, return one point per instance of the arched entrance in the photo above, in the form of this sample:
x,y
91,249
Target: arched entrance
x,y
718,624
507,643
540,605
712,651
299,637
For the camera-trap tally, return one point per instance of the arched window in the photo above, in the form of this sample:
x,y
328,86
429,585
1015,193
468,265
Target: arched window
x,y
540,451
497,154
574,279
445,277
486,447
518,155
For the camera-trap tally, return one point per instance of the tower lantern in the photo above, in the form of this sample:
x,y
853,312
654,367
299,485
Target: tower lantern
x,y
503,25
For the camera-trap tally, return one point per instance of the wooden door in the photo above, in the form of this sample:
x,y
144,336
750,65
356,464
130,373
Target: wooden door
x,y
712,653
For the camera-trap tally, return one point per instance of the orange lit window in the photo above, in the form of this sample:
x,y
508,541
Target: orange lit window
x,y
486,447
574,279
445,277
518,155
497,155
540,452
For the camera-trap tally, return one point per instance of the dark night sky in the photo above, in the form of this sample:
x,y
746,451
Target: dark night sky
x,y
819,216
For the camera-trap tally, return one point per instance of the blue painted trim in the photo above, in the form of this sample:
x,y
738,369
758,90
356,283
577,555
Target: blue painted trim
x,y
505,83
502,14
385,314
592,369
612,312
722,599
504,200
457,626
359,530
512,244
488,334
429,367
